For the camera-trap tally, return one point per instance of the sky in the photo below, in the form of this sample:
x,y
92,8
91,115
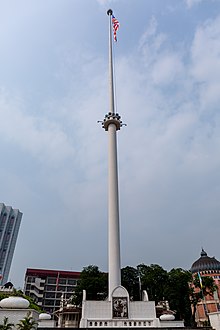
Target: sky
x,y
54,89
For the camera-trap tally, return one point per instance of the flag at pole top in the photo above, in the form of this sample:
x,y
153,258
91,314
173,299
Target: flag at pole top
x,y
115,26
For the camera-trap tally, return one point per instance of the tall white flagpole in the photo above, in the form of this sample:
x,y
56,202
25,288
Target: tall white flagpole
x,y
112,123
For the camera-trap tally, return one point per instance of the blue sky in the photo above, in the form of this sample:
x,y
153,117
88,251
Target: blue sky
x,y
54,88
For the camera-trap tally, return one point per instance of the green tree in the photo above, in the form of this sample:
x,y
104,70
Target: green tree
x,y
177,293
6,325
28,323
154,281
94,282
198,291
130,280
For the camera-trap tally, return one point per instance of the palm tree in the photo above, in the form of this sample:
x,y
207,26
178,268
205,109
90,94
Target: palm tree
x,y
27,323
6,325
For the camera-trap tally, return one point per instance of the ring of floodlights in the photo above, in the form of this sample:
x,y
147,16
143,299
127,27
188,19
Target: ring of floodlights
x,y
112,118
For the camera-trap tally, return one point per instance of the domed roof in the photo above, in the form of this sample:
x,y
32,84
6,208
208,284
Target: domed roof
x,y
14,302
205,263
44,316
167,317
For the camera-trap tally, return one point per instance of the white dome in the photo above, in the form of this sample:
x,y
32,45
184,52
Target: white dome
x,y
69,305
167,317
14,302
44,316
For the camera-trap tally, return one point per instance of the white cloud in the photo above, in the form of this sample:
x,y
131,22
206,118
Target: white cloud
x,y
167,68
150,31
105,2
205,53
191,3
37,136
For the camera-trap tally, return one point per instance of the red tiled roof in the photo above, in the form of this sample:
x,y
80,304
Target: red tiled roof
x,y
50,272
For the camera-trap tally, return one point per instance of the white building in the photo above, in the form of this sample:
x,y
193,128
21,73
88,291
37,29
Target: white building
x,y
68,316
46,287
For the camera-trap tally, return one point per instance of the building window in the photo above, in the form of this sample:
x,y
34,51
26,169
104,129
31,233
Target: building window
x,y
30,279
51,280
71,282
62,281
61,288
70,288
58,295
50,295
50,288
68,295
49,302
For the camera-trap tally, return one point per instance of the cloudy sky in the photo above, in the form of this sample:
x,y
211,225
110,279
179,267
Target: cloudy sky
x,y
54,88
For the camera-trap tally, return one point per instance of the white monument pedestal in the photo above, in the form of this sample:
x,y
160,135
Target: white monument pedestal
x,y
118,311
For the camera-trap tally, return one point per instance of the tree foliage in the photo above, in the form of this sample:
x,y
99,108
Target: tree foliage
x,y
94,282
6,325
130,280
153,280
177,294
28,323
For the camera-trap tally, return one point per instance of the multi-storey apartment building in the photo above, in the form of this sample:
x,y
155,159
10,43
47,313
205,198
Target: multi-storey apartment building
x,y
47,287
10,220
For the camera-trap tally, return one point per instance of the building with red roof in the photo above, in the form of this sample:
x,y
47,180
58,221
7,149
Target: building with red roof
x,y
47,287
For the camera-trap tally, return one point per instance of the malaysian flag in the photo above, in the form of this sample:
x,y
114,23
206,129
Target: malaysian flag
x,y
200,280
115,25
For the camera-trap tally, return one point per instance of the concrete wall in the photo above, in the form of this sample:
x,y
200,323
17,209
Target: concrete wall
x,y
15,315
214,319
